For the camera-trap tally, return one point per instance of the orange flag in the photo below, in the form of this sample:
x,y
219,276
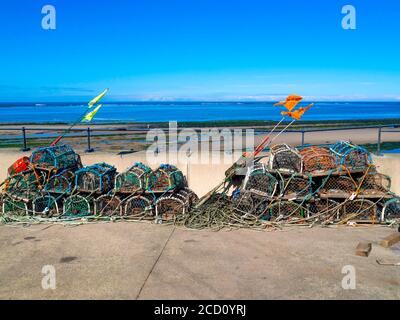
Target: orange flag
x,y
290,103
297,114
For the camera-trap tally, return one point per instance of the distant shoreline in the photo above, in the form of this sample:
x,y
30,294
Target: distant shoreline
x,y
221,123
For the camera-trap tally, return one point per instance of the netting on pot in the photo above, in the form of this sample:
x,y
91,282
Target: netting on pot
x,y
190,194
338,186
317,159
61,183
351,156
283,210
391,210
45,206
285,159
250,202
165,178
171,205
139,206
258,179
324,210
98,177
14,207
76,206
374,183
25,185
359,210
133,179
296,186
107,205
60,157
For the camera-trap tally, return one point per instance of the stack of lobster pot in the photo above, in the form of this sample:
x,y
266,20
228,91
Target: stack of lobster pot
x,y
35,189
327,184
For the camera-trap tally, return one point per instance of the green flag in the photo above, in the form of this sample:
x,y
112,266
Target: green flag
x,y
90,115
97,99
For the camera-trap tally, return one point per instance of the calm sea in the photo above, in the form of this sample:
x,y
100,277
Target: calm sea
x,y
193,111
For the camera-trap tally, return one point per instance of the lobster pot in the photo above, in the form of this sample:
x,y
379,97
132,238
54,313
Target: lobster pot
x,y
14,207
296,186
317,159
338,186
98,177
165,178
76,206
45,206
375,183
106,205
324,210
285,159
25,185
252,203
61,183
190,195
283,210
138,206
172,205
351,156
60,157
133,179
359,210
391,210
258,179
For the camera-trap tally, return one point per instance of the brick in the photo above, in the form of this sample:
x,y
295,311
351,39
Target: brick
x,y
390,240
363,249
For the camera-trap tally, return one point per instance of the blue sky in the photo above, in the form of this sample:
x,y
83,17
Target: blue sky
x,y
199,50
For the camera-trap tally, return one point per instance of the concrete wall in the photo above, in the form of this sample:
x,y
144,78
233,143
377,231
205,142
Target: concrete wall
x,y
389,164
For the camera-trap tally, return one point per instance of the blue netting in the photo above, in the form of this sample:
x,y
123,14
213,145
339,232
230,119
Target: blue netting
x,y
98,177
351,156
60,157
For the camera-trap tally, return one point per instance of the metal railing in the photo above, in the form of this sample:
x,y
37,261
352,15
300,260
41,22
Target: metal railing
x,y
87,132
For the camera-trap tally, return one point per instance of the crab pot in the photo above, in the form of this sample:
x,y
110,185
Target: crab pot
x,y
61,183
25,185
374,183
391,210
351,156
252,203
96,178
45,206
317,159
106,205
76,206
324,210
338,186
283,210
172,205
258,179
59,157
359,210
165,178
133,179
296,186
138,206
14,207
285,159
